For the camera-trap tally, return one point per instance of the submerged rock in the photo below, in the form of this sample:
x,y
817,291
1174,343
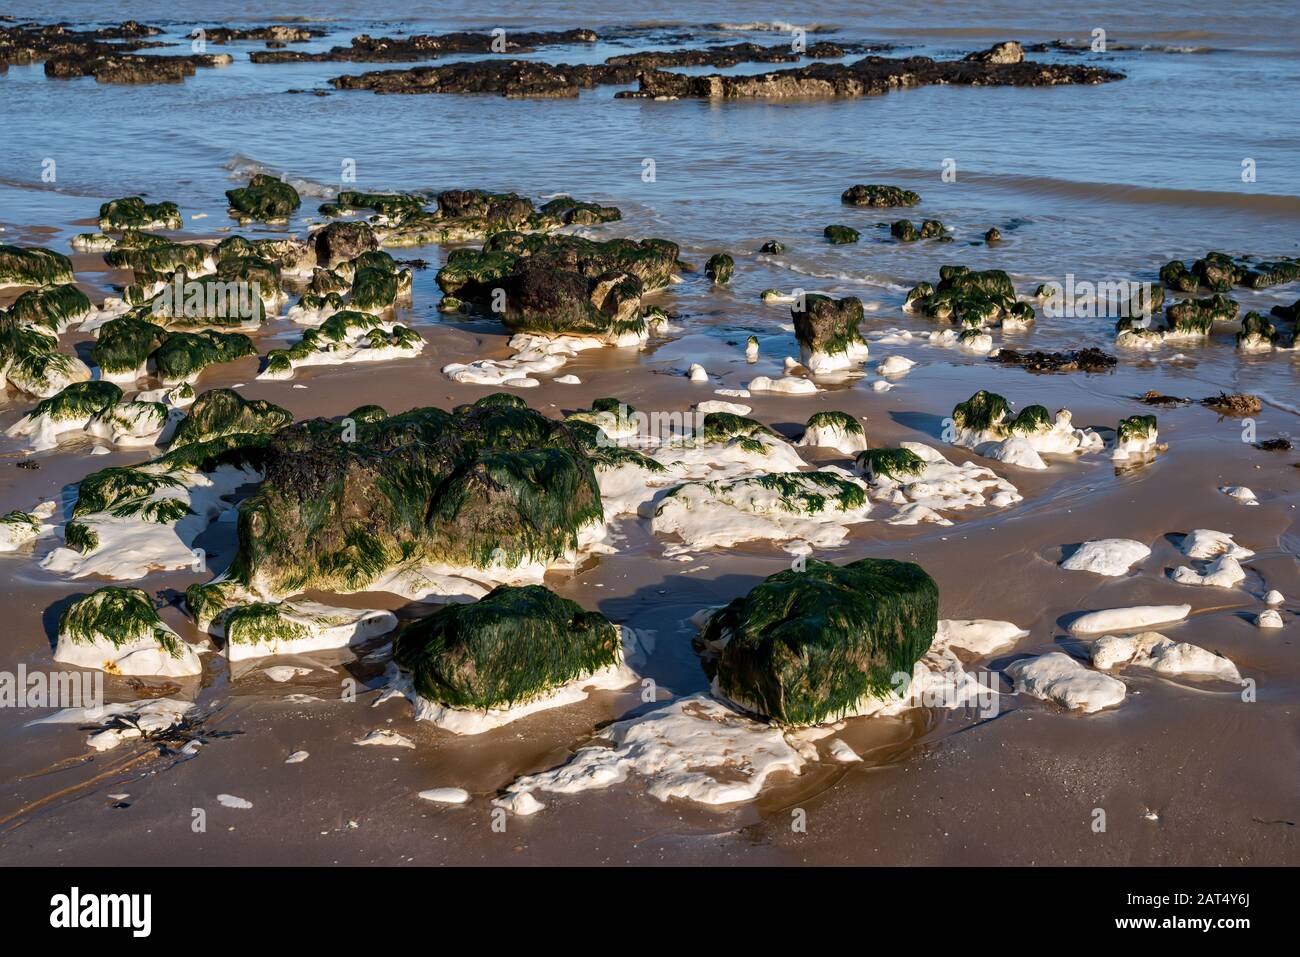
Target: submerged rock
x,y
512,646
117,630
971,299
719,268
807,647
878,196
1080,360
870,76
1237,403
840,235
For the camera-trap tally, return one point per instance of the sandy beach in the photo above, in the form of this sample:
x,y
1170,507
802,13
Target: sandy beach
x,y
1187,769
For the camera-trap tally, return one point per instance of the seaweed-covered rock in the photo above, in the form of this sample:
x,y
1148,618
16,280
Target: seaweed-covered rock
x,y
984,424
1219,272
257,629
1236,403
900,465
223,412
840,235
31,362
1135,438
835,430
183,355
1257,333
134,213
878,196
124,346
265,198
813,646
719,268
904,230
993,235
69,411
772,247
489,485
117,630
339,242
53,308
1196,317
827,330
969,298
512,646
33,266
1078,360
868,76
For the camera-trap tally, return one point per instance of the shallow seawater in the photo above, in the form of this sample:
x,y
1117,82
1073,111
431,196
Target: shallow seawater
x,y
1096,182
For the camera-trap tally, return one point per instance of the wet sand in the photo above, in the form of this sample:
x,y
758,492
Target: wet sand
x,y
1219,774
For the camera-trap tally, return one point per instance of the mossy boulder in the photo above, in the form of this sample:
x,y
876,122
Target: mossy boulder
x,y
1257,332
828,326
340,242
134,213
489,484
1198,316
719,268
513,645
840,235
878,196
81,400
183,355
898,465
31,362
772,247
969,298
33,266
52,308
125,345
118,630
265,198
222,412
811,646
571,212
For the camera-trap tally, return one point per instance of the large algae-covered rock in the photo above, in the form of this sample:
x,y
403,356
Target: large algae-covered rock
x,y
878,196
512,646
117,630
53,308
807,647
186,354
134,213
31,362
493,485
970,298
265,198
222,412
32,266
827,330
124,346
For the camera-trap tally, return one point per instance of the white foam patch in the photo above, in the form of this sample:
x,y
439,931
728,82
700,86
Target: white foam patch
x,y
1132,618
1107,556
533,355
1207,543
146,716
721,513
1223,572
1059,678
941,486
1153,650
